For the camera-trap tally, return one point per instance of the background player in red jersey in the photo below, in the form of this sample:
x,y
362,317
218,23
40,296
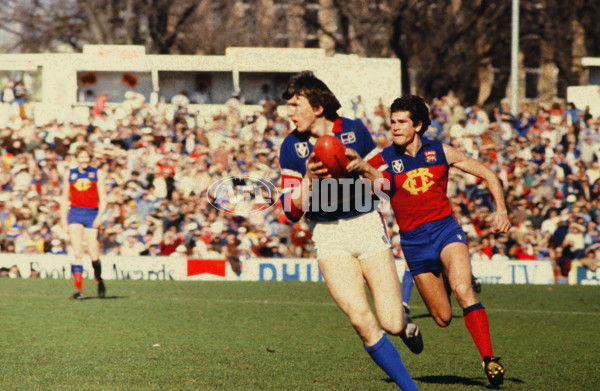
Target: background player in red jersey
x,y
83,204
433,243
352,243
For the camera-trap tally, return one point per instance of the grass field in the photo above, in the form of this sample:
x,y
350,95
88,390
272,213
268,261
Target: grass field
x,y
149,335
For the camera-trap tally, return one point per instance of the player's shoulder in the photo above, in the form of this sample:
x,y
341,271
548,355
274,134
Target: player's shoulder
x,y
293,147
427,141
291,139
389,151
69,170
352,125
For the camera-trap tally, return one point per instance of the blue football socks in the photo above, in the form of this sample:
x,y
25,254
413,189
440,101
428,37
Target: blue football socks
x,y
385,354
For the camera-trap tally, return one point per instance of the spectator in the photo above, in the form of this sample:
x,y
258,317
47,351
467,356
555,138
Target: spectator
x,y
201,96
500,254
157,156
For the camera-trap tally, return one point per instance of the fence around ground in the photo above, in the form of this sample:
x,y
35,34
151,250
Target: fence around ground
x,y
262,269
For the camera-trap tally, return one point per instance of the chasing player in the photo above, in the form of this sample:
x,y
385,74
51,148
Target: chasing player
x,y
82,207
352,246
433,243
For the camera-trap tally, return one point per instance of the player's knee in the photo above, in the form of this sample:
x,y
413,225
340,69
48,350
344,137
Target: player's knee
x,y
463,292
359,319
393,327
443,319
443,322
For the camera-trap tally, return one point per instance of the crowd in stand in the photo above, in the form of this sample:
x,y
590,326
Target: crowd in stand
x,y
160,161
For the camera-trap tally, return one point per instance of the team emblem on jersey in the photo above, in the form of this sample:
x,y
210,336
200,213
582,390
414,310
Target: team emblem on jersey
x,y
418,181
91,175
73,176
430,155
82,184
398,166
302,149
348,138
459,236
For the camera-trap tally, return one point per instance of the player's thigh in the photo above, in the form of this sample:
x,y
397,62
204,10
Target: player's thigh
x,y
457,267
344,280
76,237
382,277
90,235
432,288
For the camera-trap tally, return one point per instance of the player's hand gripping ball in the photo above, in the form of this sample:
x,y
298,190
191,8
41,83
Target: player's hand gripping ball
x,y
332,153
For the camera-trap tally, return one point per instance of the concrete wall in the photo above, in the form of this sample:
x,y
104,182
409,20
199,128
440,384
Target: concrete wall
x,y
161,76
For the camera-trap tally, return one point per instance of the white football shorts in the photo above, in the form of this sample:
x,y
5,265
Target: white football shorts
x,y
362,236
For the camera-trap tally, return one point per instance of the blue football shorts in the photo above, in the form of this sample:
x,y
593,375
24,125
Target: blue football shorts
x,y
422,246
83,216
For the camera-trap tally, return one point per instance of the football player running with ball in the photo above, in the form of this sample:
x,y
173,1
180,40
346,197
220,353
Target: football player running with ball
x,y
433,243
349,234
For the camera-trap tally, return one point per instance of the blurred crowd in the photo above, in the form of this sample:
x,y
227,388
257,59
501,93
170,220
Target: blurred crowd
x,y
161,159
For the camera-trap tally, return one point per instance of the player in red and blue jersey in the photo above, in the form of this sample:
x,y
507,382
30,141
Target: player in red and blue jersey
x,y
82,207
433,243
349,234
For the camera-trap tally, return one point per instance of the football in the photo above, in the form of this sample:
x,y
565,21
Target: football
x,y
331,152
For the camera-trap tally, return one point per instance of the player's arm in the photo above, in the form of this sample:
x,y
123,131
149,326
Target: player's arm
x,y
65,199
102,203
360,165
379,177
295,188
367,160
472,166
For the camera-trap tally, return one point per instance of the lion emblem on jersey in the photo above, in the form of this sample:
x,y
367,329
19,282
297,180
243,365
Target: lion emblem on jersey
x,y
398,166
302,149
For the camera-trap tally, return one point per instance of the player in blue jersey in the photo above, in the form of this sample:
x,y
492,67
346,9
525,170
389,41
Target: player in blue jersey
x,y
433,243
349,234
83,204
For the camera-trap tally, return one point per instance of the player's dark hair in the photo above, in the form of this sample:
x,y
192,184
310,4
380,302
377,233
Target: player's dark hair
x,y
416,106
315,90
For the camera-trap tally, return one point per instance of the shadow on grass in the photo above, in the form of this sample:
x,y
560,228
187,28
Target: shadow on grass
x,y
97,298
453,379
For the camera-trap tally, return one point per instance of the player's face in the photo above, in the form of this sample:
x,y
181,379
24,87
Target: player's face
x,y
83,159
404,129
301,113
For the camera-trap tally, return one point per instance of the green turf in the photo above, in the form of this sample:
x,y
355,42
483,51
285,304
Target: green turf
x,y
152,335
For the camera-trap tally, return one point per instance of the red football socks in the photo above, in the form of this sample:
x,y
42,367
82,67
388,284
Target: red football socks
x,y
476,321
78,279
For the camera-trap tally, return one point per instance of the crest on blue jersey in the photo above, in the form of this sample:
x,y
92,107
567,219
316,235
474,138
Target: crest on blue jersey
x,y
348,138
430,156
302,149
398,166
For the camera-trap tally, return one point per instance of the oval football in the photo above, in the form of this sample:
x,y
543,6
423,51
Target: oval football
x,y
332,153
